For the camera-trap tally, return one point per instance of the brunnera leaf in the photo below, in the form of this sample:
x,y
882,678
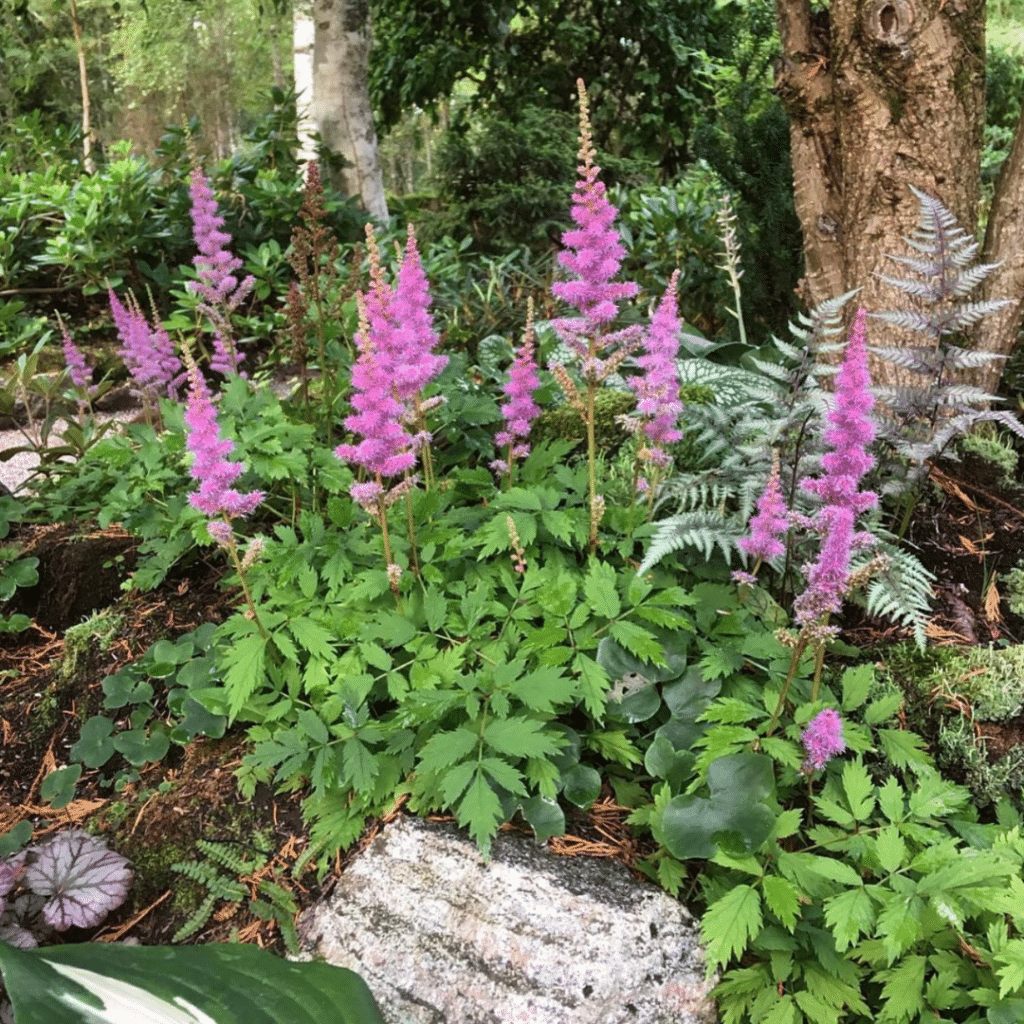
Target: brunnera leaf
x,y
82,878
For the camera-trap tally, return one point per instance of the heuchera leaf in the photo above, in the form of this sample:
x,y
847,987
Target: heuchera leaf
x,y
84,880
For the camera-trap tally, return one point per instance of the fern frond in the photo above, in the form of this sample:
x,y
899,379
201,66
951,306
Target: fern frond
x,y
916,358
234,861
959,317
964,283
196,920
901,590
919,289
704,530
908,319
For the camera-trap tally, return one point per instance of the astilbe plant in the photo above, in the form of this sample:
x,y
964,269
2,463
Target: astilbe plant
x,y
396,361
147,352
593,253
520,410
657,391
218,286
215,474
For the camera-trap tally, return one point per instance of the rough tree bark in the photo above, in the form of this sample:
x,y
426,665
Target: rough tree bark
x,y
340,104
883,94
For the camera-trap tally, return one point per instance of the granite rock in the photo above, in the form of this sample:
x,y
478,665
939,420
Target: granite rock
x,y
529,938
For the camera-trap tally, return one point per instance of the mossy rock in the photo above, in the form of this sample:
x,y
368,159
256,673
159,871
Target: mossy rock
x,y
970,702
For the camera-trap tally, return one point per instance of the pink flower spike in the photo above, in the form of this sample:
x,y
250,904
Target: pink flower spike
x,y
770,523
210,466
851,431
218,285
657,390
520,410
414,337
822,739
78,368
593,254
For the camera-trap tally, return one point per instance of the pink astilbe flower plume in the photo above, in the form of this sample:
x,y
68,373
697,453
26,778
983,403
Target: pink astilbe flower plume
x,y
386,449
849,435
822,739
520,410
147,352
593,254
657,389
770,524
210,465
413,337
218,286
78,369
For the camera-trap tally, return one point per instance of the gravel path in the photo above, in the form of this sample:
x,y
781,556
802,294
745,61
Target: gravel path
x,y
16,470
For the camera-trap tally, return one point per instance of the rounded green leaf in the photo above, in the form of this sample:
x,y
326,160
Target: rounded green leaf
x,y
581,785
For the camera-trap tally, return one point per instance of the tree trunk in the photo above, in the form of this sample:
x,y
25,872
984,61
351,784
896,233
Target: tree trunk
x,y
883,94
340,106
302,34
83,84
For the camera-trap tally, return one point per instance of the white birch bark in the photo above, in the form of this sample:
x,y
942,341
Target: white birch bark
x,y
340,107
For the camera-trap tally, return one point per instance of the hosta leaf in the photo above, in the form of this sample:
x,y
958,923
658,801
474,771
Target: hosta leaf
x,y
217,984
84,880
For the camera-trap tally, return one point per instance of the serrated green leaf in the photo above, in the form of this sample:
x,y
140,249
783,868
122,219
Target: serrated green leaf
x,y
520,737
890,849
599,589
445,748
899,924
638,641
859,789
857,683
504,774
245,669
890,799
313,725
849,915
615,746
783,899
903,990
308,581
884,709
730,923
359,766
480,811
545,688
375,655
905,749
1011,970
313,637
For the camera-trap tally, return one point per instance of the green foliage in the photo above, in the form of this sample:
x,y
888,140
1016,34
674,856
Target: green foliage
x,y
14,571
171,674
877,895
504,181
221,872
646,63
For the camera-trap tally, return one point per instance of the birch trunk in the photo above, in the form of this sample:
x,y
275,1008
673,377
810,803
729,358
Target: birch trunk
x,y
340,107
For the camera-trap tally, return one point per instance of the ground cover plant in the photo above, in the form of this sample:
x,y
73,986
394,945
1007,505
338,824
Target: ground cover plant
x,y
434,607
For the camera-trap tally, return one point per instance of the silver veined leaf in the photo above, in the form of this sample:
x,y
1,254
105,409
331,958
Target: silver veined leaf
x,y
82,878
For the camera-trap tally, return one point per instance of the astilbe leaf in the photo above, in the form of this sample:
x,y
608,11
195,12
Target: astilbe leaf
x,y
82,878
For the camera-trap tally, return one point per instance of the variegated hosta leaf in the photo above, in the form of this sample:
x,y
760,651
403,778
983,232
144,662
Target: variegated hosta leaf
x,y
82,878
219,984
